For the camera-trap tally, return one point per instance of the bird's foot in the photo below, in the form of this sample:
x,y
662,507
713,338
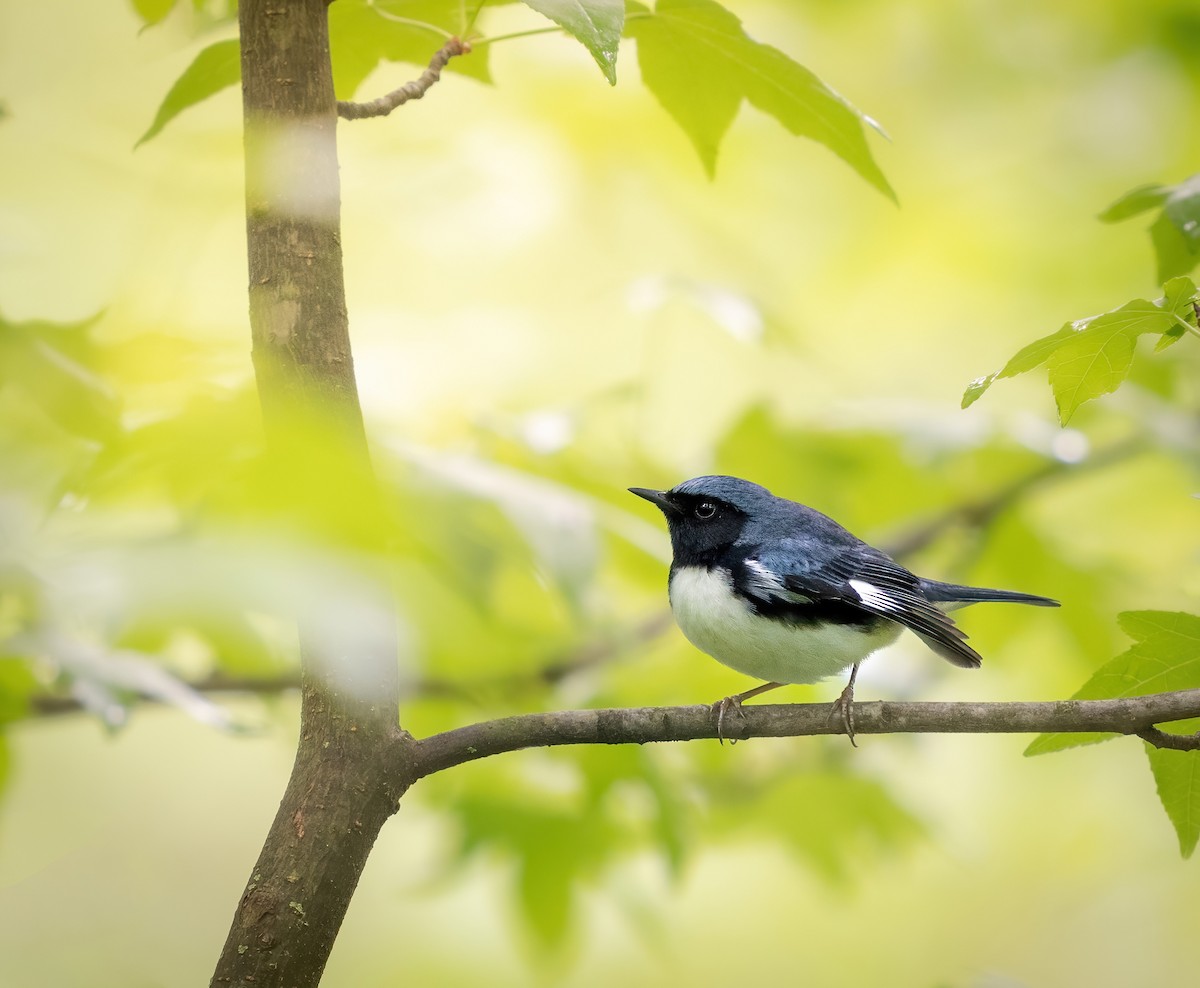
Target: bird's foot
x,y
721,708
844,706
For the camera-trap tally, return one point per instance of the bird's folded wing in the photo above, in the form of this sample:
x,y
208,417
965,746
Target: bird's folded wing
x,y
863,578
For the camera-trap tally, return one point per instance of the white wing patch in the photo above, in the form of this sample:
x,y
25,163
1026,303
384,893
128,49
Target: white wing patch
x,y
872,596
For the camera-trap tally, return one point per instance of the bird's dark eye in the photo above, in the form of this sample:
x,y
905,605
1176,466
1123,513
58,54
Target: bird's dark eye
x,y
705,509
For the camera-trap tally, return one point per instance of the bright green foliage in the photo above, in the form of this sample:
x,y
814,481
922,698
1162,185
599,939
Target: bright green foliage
x,y
1175,233
1177,777
1091,357
595,23
700,64
693,55
215,68
153,11
362,35
139,514
1166,657
50,363
603,803
834,819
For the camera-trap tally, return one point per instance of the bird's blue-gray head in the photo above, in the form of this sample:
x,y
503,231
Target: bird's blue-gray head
x,y
706,515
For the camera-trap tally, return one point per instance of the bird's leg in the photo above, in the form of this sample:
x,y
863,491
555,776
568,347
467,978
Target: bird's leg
x,y
845,705
722,707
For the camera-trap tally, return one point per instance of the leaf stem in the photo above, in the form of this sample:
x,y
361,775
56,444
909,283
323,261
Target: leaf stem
x,y
387,15
1187,325
473,18
476,42
553,29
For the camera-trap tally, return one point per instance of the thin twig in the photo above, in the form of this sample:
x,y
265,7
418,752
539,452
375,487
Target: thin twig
x,y
978,514
410,90
1176,742
387,15
1128,715
584,657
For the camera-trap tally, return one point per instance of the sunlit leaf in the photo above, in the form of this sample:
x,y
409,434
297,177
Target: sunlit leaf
x,y
1171,252
1091,357
153,11
1177,778
595,23
1135,201
51,364
1182,209
1175,233
1141,625
700,65
362,35
1165,658
217,67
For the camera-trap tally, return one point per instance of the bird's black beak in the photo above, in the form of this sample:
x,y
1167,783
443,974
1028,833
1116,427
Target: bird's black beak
x,y
661,498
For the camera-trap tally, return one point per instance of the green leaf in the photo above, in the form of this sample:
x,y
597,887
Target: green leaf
x,y
977,387
50,363
1180,293
152,11
1182,209
1136,201
1170,249
1175,233
1091,357
1026,359
1097,358
1090,365
217,67
1165,658
700,65
362,35
1140,625
1177,778
597,24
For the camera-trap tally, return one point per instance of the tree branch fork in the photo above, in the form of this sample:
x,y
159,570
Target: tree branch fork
x,y
1135,715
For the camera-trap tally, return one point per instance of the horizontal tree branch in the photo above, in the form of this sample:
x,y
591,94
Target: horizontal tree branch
x,y
1129,715
410,90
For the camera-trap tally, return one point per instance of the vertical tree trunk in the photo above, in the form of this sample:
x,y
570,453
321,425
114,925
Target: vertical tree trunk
x,y
344,781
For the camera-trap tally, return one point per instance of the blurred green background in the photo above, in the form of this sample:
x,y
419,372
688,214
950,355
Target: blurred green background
x,y
550,302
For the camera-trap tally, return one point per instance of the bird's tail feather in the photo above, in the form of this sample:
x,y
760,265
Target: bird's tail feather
x,y
953,593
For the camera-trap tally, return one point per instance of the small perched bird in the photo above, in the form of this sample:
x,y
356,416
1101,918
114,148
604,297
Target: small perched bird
x,y
783,593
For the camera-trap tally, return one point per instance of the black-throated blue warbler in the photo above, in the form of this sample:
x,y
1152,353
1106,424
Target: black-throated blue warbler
x,y
783,593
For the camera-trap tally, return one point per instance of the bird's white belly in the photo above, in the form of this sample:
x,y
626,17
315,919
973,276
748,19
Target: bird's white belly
x,y
716,621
